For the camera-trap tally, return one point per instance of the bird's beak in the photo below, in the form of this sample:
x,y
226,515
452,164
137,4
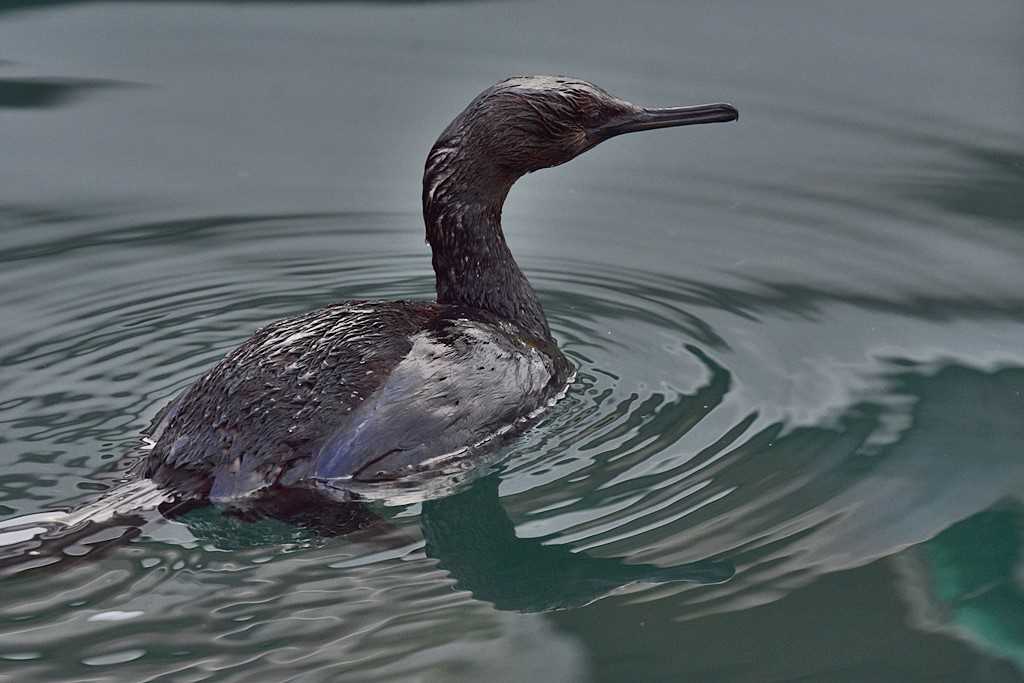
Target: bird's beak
x,y
649,119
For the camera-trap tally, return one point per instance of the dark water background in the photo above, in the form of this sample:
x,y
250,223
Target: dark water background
x,y
800,338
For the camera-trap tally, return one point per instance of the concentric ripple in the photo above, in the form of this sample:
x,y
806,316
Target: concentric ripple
x,y
681,467
793,447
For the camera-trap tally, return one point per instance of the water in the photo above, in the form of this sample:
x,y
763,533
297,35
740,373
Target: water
x,y
800,340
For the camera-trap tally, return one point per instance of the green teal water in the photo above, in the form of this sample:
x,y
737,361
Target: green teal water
x,y
795,446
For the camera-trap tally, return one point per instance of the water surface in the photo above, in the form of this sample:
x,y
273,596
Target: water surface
x,y
794,446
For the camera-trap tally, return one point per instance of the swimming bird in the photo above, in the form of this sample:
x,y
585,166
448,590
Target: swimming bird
x,y
369,390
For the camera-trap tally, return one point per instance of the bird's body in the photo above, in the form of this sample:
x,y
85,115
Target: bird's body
x,y
368,390
364,390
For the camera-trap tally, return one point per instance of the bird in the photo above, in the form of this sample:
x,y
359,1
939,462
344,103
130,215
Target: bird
x,y
369,391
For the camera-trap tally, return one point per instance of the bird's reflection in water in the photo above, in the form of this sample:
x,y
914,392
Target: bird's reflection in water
x,y
468,533
471,536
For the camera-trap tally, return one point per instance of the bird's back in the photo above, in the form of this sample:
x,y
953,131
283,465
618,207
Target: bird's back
x,y
356,390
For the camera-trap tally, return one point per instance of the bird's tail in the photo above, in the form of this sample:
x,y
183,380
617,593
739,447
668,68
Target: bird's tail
x,y
40,538
127,497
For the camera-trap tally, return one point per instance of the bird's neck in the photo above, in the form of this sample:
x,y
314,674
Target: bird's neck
x,y
473,265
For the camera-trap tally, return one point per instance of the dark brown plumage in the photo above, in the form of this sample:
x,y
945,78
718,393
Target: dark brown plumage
x,y
368,390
